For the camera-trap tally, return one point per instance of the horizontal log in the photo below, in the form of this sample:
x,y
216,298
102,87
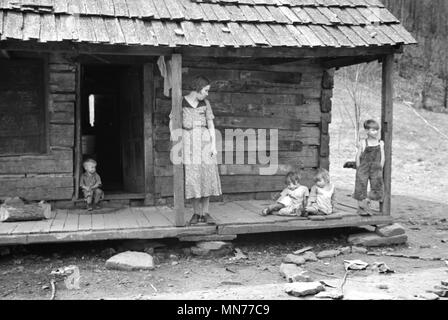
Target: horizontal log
x,y
62,135
307,157
61,97
307,112
25,212
62,106
62,117
38,187
235,169
62,82
253,145
55,162
307,135
241,184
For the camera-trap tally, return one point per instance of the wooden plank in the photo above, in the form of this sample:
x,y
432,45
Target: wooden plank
x,y
121,8
8,227
147,8
209,12
114,30
250,13
31,26
106,7
144,33
240,34
110,220
148,110
85,29
226,38
178,172
100,30
264,13
299,224
23,227
192,34
277,14
387,107
126,220
97,221
155,219
140,217
284,35
85,221
68,29
211,34
57,162
134,8
12,25
168,213
231,213
72,221
255,34
59,220
161,8
193,10
161,33
312,39
78,136
128,27
221,13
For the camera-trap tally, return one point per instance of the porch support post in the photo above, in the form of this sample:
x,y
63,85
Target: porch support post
x,y
178,168
78,139
148,106
386,128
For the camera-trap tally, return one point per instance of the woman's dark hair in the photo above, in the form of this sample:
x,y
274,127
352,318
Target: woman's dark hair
x,y
199,83
293,177
371,124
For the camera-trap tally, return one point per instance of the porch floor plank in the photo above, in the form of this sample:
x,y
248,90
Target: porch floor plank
x,y
71,223
85,221
97,221
156,219
233,218
59,220
8,227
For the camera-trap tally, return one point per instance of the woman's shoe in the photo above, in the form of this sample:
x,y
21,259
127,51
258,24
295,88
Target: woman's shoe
x,y
194,219
208,219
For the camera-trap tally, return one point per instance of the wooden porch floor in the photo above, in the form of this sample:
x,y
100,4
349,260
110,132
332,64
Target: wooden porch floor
x,y
233,218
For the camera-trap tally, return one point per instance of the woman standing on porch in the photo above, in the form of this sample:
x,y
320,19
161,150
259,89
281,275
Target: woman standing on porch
x,y
199,150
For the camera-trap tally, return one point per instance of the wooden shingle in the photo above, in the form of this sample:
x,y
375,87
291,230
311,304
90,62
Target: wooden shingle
x,y
32,24
12,25
241,35
99,27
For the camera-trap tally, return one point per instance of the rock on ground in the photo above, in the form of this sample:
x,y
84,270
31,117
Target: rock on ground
x,y
345,250
330,294
359,250
310,256
131,260
292,258
301,289
293,273
428,296
328,254
374,240
215,248
395,229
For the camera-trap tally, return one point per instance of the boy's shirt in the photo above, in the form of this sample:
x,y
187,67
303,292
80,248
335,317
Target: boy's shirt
x,y
88,180
293,197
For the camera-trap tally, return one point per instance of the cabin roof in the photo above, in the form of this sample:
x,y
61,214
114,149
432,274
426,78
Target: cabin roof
x,y
204,23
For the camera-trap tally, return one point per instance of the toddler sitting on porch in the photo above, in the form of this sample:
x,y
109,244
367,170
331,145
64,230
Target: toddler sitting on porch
x,y
292,199
322,198
90,184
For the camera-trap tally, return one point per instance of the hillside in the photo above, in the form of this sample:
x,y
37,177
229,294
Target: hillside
x,y
420,154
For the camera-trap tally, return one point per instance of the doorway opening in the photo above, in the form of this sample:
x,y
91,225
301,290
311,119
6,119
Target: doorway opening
x,y
112,126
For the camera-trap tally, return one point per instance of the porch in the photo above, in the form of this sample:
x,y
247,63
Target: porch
x,y
233,218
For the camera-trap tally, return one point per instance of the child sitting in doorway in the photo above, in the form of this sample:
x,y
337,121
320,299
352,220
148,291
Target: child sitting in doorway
x,y
369,163
322,198
292,199
90,184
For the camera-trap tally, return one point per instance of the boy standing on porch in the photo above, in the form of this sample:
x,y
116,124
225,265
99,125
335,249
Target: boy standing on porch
x,y
369,163
90,184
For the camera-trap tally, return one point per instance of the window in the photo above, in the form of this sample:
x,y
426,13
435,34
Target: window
x,y
22,107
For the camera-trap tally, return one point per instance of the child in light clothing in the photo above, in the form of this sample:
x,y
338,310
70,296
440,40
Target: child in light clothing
x,y
292,199
322,198
90,184
369,163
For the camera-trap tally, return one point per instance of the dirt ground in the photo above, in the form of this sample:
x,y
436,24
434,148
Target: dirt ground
x,y
420,176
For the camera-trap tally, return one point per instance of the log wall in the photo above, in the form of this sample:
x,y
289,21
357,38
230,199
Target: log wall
x,y
48,176
295,99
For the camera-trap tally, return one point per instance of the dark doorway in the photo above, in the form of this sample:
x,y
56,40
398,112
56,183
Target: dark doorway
x,y
112,125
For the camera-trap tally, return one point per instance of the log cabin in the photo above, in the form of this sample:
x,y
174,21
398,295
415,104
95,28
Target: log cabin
x,y
80,78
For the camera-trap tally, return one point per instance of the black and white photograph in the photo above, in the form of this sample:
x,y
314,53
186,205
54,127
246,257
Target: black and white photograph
x,y
252,152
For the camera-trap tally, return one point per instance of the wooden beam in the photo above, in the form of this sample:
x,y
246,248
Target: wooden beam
x,y
348,61
78,138
148,110
386,128
275,52
178,169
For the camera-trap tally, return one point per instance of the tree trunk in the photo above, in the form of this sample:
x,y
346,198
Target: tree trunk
x,y
25,212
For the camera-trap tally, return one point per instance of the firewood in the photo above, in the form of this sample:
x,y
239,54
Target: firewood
x,y
25,212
